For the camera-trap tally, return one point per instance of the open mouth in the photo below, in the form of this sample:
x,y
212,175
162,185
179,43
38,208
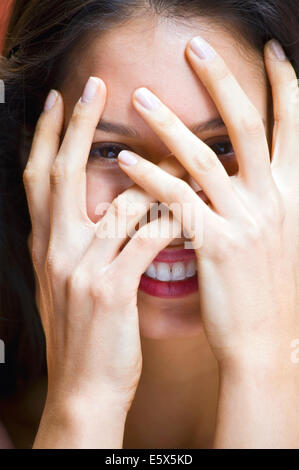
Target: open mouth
x,y
173,273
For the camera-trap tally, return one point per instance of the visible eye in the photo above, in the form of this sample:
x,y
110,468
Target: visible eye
x,y
222,148
106,151
225,152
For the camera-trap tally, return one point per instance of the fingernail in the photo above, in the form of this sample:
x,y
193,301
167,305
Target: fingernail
x,y
51,100
147,99
90,90
127,158
202,49
277,50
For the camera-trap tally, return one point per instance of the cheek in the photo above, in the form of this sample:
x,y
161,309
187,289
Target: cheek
x,y
101,189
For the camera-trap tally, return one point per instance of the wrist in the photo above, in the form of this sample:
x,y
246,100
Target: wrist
x,y
260,378
257,398
77,423
264,364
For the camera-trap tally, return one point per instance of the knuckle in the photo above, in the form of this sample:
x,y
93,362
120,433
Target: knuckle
x,y
168,121
78,282
204,161
103,288
219,70
274,213
58,172
233,242
56,266
251,124
253,233
134,207
30,176
80,118
100,292
141,241
228,245
119,206
224,248
181,188
63,169
125,208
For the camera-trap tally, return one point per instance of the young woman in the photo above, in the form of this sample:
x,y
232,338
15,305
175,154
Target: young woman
x,y
131,339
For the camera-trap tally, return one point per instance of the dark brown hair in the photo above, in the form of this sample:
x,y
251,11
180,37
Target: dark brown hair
x,y
41,38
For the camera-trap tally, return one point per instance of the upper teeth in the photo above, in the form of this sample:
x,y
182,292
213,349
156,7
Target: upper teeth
x,y
172,272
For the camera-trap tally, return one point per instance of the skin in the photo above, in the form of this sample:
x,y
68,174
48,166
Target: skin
x,y
159,318
183,343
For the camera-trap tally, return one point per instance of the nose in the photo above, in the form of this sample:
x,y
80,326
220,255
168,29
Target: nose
x,y
195,186
181,240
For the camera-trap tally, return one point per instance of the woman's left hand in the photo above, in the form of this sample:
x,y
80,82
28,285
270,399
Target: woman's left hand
x,y
248,249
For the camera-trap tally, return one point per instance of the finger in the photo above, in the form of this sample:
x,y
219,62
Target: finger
x,y
243,122
143,248
175,193
68,174
121,218
150,240
285,92
44,149
197,157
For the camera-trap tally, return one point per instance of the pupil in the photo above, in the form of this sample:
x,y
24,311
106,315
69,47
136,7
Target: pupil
x,y
223,148
110,153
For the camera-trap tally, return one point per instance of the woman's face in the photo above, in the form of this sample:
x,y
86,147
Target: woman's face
x,y
143,53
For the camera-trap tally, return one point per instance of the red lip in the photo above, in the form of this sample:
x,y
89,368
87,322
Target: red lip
x,y
174,289
173,255
170,289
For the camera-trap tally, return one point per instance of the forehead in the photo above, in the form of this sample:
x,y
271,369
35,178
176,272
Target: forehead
x,y
151,53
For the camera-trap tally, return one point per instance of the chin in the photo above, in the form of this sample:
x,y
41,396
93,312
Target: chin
x,y
164,318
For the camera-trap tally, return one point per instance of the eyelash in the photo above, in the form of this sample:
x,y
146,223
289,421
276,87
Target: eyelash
x,y
123,147
106,146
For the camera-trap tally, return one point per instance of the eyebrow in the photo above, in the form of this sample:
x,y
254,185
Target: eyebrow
x,y
127,131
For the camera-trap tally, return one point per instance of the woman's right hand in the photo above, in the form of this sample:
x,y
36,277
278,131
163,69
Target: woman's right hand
x,y
86,282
